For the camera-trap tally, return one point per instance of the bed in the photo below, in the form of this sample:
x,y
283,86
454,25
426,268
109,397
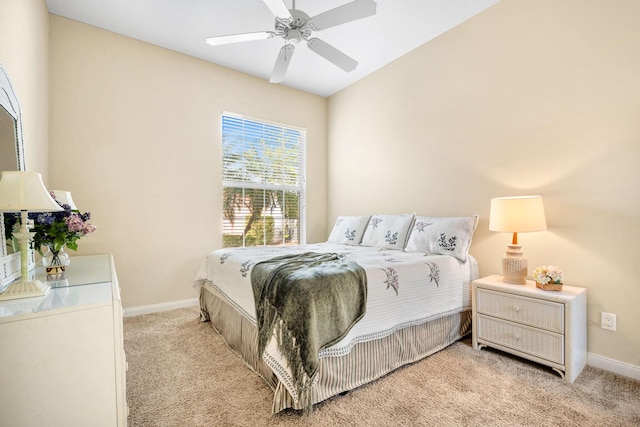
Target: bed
x,y
418,275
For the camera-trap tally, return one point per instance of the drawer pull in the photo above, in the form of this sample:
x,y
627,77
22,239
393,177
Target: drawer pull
x,y
516,308
516,336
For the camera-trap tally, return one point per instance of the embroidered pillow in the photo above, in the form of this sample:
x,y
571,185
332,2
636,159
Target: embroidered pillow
x,y
387,231
442,236
348,230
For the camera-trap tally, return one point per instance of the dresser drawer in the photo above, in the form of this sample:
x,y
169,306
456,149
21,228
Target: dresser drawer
x,y
536,342
533,312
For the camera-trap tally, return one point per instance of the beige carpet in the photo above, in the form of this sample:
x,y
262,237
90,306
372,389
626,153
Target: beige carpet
x,y
182,374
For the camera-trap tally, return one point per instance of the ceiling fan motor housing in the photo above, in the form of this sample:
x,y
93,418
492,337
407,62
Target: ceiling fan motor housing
x,y
294,30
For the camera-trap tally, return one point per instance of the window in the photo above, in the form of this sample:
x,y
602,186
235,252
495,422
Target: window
x,y
263,167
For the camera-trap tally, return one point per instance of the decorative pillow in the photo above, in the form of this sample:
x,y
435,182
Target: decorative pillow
x,y
387,231
348,230
442,236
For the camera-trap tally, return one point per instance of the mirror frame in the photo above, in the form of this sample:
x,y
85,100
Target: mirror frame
x,y
10,263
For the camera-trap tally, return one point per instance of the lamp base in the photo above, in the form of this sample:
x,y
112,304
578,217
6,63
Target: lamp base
x,y
26,289
514,266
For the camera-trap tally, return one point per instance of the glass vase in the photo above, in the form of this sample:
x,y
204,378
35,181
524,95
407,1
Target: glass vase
x,y
55,262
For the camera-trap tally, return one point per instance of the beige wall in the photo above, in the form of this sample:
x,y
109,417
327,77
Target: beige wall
x,y
529,97
24,46
135,136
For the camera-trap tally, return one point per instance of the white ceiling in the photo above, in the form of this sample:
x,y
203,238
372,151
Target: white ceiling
x,y
183,25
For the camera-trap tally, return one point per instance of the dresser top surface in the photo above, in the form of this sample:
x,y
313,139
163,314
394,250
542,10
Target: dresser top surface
x,y
87,281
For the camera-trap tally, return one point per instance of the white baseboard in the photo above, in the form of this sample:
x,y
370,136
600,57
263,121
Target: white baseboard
x,y
155,308
615,366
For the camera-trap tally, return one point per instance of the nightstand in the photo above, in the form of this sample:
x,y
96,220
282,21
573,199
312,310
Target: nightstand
x,y
548,327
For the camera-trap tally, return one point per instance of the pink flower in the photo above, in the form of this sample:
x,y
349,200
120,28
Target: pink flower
x,y
77,225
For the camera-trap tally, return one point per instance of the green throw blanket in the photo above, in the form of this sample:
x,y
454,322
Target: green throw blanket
x,y
308,301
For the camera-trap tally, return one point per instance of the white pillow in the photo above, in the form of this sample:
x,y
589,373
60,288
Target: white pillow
x,y
348,230
387,231
442,236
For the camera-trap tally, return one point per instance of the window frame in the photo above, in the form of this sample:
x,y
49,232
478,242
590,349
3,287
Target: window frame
x,y
302,173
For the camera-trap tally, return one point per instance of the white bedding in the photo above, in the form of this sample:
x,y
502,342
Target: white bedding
x,y
403,288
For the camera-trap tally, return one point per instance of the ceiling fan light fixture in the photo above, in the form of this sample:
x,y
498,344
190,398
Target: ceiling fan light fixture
x,y
294,36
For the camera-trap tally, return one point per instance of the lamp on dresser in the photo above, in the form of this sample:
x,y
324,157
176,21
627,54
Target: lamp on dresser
x,y
64,198
515,215
24,192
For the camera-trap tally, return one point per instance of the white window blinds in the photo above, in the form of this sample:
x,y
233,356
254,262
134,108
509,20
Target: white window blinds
x,y
263,179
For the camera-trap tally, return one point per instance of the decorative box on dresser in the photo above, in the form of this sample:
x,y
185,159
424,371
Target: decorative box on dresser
x,y
62,360
548,327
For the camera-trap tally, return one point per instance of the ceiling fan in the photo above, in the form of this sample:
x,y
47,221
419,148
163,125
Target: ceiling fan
x,y
294,26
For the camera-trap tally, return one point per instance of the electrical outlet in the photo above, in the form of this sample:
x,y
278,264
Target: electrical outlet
x,y
608,321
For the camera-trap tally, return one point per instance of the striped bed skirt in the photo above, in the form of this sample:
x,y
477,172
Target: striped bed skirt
x,y
366,362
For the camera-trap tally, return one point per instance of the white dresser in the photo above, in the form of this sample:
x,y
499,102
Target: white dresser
x,y
62,360
548,327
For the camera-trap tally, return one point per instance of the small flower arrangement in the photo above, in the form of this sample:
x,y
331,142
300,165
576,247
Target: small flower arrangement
x,y
548,277
63,228
55,230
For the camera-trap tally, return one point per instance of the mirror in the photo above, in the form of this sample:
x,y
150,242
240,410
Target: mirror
x,y
11,158
8,157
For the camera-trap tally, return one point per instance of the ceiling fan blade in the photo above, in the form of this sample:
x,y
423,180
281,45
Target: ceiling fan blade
x,y
244,37
332,54
282,63
279,9
357,9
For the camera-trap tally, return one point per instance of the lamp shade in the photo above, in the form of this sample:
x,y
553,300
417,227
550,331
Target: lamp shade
x,y
517,214
64,197
25,191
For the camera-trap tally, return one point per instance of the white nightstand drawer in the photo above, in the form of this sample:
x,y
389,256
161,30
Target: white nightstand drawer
x,y
543,344
533,312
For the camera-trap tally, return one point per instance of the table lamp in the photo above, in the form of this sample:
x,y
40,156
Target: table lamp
x,y
24,192
516,215
64,198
